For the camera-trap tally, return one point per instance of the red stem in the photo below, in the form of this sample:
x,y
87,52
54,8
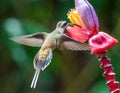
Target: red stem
x,y
108,73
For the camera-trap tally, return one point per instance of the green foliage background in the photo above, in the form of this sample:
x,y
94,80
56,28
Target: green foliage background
x,y
69,72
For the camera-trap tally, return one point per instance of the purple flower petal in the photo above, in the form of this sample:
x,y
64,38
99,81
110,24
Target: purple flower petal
x,y
88,15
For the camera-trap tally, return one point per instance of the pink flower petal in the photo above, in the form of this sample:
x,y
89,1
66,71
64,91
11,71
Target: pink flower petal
x,y
88,15
78,33
101,42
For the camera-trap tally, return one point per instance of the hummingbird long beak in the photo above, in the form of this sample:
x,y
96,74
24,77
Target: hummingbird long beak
x,y
70,24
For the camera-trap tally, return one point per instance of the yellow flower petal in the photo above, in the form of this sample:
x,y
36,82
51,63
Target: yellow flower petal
x,y
75,18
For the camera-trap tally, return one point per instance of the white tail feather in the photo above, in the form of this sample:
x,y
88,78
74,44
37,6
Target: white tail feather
x,y
35,79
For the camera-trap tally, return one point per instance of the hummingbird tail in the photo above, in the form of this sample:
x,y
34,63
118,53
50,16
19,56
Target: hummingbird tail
x,y
44,62
35,79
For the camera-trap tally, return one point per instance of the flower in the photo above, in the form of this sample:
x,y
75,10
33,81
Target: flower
x,y
79,31
85,17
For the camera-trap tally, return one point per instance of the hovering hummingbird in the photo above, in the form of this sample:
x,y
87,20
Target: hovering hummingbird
x,y
49,42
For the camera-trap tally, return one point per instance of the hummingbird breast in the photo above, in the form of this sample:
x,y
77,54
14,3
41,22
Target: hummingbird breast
x,y
48,44
43,54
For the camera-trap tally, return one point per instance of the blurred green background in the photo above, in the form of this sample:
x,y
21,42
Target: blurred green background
x,y
69,72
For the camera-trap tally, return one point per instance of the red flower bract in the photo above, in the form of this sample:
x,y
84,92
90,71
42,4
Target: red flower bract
x,y
101,42
78,33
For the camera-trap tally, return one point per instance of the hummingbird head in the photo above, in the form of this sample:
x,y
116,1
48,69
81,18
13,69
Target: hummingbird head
x,y
61,24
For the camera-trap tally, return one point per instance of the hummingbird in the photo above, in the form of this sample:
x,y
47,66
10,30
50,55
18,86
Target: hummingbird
x,y
49,42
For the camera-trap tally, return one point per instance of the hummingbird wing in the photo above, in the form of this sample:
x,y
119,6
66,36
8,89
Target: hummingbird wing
x,y
70,44
35,40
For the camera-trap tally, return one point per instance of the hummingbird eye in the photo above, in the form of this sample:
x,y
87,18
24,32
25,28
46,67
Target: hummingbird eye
x,y
64,24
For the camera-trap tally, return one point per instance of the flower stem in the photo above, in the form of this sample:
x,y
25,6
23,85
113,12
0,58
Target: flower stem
x,y
108,73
